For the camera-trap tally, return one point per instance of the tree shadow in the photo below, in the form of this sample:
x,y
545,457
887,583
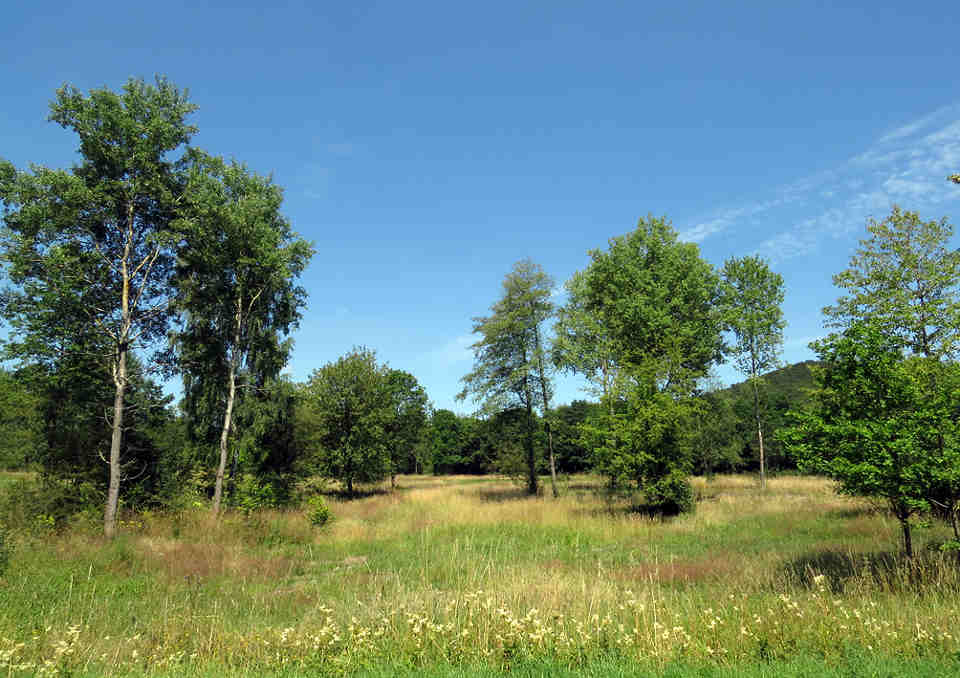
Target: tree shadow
x,y
358,493
856,512
501,494
840,570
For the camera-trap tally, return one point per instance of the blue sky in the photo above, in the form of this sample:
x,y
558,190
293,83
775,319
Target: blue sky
x,y
426,146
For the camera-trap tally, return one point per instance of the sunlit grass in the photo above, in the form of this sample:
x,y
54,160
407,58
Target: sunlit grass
x,y
470,572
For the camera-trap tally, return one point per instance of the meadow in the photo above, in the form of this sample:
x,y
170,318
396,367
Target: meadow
x,y
464,576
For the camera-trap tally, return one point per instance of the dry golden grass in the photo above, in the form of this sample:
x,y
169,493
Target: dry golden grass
x,y
472,569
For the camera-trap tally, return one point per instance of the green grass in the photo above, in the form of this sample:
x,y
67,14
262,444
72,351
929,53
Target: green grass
x,y
452,577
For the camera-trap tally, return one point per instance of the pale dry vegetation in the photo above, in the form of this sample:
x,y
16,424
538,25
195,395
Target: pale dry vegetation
x,y
464,570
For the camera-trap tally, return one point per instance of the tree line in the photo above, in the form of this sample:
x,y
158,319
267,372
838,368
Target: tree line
x,y
151,258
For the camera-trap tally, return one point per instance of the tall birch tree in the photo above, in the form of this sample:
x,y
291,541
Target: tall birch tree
x,y
236,286
91,247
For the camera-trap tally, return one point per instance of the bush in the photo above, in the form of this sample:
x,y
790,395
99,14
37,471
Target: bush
x,y
253,494
46,504
670,496
318,512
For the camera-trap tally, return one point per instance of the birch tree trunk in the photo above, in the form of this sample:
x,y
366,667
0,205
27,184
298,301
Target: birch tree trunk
x,y
116,438
228,415
119,380
545,394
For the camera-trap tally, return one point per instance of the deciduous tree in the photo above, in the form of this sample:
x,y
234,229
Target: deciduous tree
x,y
407,422
509,353
652,304
236,286
874,423
904,278
751,298
92,247
346,407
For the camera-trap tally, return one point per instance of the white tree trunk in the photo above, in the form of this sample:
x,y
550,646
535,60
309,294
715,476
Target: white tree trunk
x,y
228,415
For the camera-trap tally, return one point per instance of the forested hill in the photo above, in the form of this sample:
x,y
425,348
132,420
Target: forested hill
x,y
791,383
733,434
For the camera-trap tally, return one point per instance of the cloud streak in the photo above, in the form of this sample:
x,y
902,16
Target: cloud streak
x,y
907,166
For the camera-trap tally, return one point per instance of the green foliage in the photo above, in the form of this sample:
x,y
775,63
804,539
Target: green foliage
x,y
670,495
21,428
253,493
446,442
729,426
89,251
656,300
904,278
46,504
647,437
751,299
874,425
345,410
716,443
235,283
318,512
643,320
572,455
581,344
509,354
408,421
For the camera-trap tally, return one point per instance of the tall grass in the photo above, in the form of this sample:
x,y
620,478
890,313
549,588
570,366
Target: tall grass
x,y
457,573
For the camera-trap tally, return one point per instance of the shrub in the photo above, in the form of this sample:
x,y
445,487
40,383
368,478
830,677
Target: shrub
x,y
253,493
46,504
318,512
670,495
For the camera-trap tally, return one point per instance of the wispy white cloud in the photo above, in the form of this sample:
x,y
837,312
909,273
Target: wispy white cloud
x,y
906,166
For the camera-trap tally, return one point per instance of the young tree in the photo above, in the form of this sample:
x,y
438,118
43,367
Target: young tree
x,y
93,246
652,303
236,287
905,279
346,407
874,425
751,299
509,353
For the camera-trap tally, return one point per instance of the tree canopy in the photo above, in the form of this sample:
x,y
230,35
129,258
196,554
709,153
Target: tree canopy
x,y
90,250
236,287
751,300
509,353
875,426
644,319
904,277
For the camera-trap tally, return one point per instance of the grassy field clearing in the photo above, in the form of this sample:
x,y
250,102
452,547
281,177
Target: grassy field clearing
x,y
451,576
